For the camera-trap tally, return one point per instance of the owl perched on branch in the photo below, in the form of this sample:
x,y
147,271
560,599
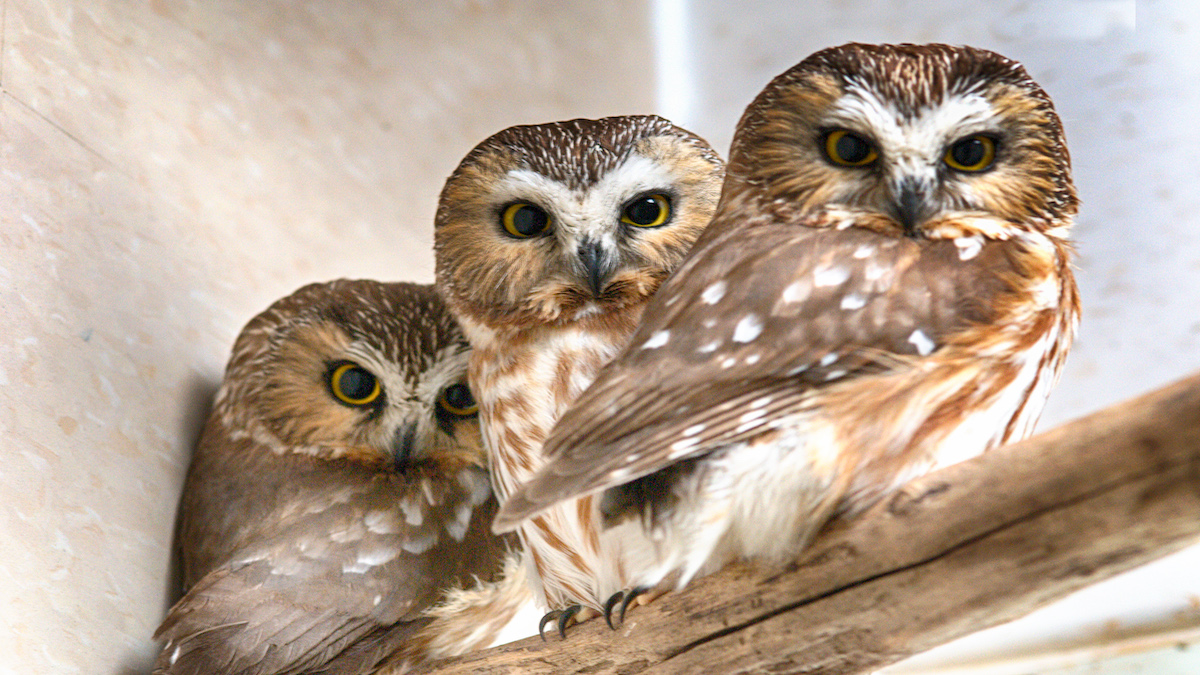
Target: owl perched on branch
x,y
336,514
885,289
550,240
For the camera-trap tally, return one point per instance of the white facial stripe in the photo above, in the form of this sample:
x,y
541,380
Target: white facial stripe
x,y
591,213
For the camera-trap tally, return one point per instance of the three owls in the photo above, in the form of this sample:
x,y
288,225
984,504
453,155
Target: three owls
x,y
884,288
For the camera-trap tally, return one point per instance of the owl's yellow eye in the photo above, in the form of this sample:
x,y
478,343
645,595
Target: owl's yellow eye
x,y
849,149
457,400
647,211
973,154
522,220
353,385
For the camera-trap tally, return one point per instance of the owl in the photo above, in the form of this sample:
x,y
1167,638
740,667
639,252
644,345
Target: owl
x,y
885,289
335,517
550,240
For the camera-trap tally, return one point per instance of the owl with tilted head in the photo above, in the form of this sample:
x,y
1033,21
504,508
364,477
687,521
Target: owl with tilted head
x,y
885,289
550,240
335,517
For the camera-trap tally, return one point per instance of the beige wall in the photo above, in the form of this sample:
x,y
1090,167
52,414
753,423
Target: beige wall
x,y
167,170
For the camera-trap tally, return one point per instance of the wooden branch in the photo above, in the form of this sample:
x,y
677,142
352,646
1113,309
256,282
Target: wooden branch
x,y
957,551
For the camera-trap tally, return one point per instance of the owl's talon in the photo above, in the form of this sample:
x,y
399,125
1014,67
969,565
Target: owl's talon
x,y
561,617
630,597
564,617
547,618
611,604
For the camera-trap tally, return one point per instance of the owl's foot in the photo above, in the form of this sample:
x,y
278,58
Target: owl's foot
x,y
563,617
643,595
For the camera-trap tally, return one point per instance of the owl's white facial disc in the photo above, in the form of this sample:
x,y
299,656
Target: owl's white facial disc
x,y
592,213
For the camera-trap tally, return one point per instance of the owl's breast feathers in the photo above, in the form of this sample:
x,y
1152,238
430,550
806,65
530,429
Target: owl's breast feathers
x,y
915,352
525,380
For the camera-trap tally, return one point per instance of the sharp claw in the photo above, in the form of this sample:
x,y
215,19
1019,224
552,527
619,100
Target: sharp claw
x,y
564,617
609,605
547,618
630,597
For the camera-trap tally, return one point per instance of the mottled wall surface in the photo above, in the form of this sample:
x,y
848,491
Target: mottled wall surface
x,y
169,169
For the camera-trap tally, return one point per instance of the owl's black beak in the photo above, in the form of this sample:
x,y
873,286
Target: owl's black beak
x,y
912,205
404,446
597,265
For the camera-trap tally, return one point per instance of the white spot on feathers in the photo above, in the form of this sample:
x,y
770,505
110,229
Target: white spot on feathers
x,y
752,415
694,429
457,528
795,291
657,340
830,276
413,513
853,301
713,294
382,521
921,341
418,545
680,448
748,328
368,559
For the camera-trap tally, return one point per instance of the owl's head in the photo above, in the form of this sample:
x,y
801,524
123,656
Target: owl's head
x,y
912,133
367,371
551,223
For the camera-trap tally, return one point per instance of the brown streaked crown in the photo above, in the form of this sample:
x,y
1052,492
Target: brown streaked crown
x,y
581,173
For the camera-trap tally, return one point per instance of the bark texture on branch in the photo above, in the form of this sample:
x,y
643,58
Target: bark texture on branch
x,y
957,551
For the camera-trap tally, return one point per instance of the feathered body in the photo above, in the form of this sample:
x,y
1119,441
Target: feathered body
x,y
550,240
885,289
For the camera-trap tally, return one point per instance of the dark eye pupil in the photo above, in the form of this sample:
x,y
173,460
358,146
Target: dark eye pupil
x,y
644,211
529,220
852,149
969,152
459,396
356,384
